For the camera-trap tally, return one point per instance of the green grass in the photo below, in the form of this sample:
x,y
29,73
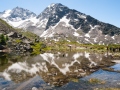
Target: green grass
x,y
18,41
63,45
27,34
96,81
39,48
5,25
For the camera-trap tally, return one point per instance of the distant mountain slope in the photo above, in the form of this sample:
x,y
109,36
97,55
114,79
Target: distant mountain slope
x,y
57,19
17,16
4,27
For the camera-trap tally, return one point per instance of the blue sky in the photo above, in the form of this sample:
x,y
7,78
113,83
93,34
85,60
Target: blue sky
x,y
104,10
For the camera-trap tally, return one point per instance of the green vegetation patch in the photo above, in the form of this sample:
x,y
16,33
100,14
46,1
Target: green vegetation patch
x,y
3,39
18,41
39,48
96,81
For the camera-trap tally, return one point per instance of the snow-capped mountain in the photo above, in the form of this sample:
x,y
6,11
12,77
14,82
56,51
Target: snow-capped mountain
x,y
17,16
73,25
59,20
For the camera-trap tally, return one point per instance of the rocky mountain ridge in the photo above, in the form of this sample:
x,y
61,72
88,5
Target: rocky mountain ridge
x,y
59,20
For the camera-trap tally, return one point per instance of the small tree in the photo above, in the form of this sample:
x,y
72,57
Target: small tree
x,y
3,40
7,38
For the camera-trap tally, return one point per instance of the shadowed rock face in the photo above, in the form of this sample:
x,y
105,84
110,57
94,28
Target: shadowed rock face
x,y
2,47
56,69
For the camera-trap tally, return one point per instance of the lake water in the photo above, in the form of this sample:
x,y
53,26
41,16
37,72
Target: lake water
x,y
57,71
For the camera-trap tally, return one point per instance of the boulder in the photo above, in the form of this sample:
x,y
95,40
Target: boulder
x,y
2,47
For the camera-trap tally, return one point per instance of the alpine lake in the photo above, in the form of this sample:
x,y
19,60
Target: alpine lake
x,y
59,71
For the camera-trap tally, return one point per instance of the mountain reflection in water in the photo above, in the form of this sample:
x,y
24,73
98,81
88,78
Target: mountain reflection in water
x,y
55,69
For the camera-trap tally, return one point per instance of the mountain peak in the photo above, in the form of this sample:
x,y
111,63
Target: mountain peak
x,y
19,13
53,9
51,5
19,8
55,4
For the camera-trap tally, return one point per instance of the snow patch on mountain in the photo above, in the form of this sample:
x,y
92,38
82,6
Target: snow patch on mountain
x,y
43,34
47,33
34,20
66,21
87,35
6,13
82,16
76,34
51,5
16,24
95,39
113,37
41,23
20,24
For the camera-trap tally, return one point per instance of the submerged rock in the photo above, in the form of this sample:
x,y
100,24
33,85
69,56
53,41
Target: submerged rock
x,y
34,88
